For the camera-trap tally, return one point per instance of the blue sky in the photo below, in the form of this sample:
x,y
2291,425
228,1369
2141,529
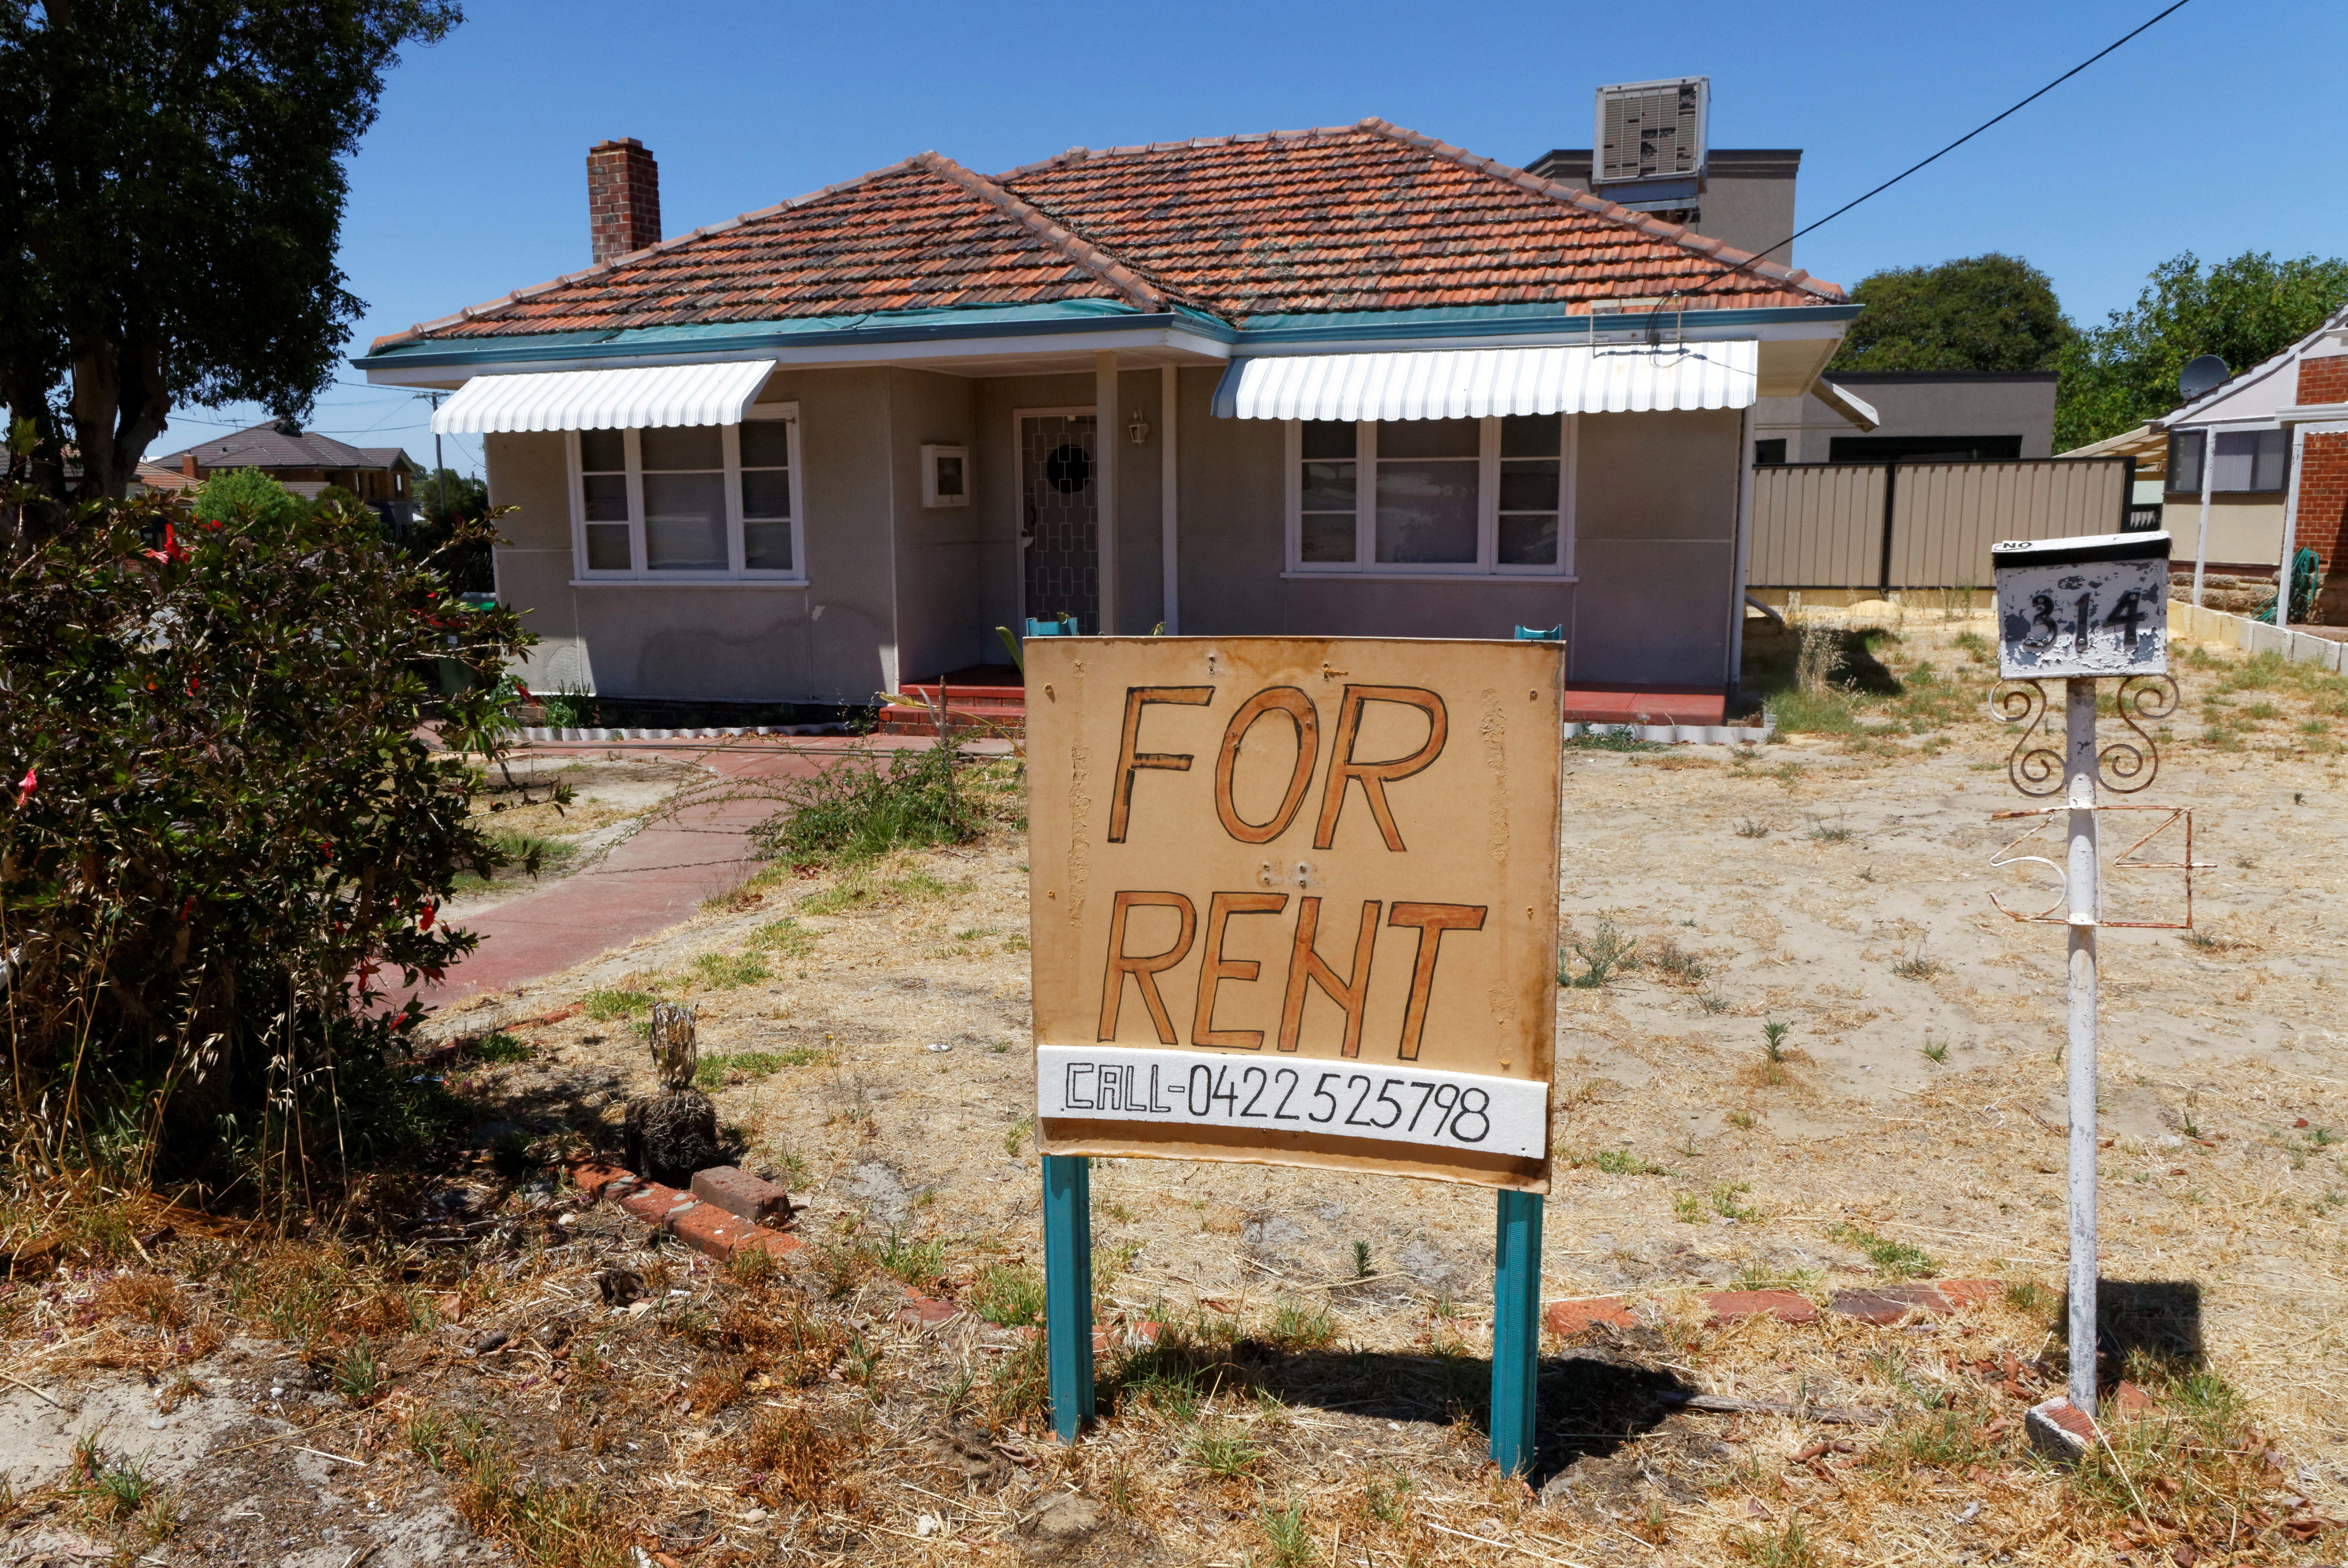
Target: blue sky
x,y
2193,136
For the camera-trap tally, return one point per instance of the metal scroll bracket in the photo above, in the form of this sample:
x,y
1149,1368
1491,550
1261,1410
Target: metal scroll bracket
x,y
2123,766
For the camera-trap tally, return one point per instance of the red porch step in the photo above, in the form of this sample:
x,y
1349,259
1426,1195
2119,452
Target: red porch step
x,y
987,699
1589,703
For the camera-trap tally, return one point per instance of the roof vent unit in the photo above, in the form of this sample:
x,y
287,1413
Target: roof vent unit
x,y
1650,142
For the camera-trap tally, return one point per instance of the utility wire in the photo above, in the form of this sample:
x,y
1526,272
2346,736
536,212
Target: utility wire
x,y
1968,135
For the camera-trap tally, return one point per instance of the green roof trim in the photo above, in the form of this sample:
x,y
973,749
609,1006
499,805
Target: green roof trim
x,y
1056,319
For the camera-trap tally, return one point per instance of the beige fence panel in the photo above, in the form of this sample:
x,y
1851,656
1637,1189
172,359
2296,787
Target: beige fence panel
x,y
1945,516
1822,525
1816,526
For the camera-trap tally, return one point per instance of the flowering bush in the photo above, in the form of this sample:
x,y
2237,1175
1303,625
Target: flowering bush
x,y
224,845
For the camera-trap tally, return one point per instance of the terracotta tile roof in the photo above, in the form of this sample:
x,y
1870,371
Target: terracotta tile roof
x,y
1373,217
926,232
1353,218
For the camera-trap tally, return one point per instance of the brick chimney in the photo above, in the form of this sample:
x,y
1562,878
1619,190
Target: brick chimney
x,y
623,197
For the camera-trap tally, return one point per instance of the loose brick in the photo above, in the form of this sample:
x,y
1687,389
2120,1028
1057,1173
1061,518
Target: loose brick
x,y
2060,1429
1784,1306
774,1243
1889,1303
2130,1402
925,1312
1570,1317
651,1202
591,1177
744,1195
706,1230
1969,1291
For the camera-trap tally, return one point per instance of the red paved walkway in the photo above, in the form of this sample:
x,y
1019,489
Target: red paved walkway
x,y
648,884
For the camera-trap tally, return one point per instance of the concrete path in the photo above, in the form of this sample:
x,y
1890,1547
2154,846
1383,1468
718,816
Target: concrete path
x,y
654,879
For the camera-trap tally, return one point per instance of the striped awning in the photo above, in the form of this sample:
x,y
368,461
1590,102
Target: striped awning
x,y
628,399
1480,383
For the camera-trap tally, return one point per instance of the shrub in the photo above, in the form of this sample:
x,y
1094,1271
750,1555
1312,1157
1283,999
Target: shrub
x,y
867,804
251,495
222,834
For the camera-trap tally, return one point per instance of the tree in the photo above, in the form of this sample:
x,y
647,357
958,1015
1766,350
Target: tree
x,y
1981,312
447,504
2117,376
249,493
173,195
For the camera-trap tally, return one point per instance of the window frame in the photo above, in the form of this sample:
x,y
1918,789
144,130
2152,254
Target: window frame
x,y
640,570
2257,436
2199,441
1485,568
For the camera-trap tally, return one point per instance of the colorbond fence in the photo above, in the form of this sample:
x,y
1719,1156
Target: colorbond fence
x,y
1889,526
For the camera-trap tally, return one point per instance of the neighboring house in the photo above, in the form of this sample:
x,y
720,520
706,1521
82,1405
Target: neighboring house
x,y
303,463
1919,415
2257,468
1349,381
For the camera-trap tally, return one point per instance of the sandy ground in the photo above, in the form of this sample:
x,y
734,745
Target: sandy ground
x,y
1837,884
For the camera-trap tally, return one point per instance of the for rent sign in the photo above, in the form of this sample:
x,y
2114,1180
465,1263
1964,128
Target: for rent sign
x,y
1294,901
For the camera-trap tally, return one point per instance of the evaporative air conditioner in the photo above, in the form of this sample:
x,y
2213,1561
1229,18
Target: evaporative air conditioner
x,y
1650,142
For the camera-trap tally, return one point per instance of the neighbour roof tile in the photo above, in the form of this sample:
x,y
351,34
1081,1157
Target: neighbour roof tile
x,y
1354,218
264,445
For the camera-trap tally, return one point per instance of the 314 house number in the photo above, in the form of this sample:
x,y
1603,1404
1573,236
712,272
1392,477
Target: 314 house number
x,y
2045,633
2095,618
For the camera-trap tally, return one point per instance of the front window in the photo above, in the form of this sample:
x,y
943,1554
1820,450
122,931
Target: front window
x,y
1454,497
2249,460
690,502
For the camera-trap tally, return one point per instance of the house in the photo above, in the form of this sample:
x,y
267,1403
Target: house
x,y
1349,381
302,461
2255,470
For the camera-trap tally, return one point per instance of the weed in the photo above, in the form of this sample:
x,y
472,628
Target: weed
x,y
1742,1119
867,804
359,1375
1009,1294
1773,1040
111,1487
1758,1276
1893,1260
1787,1549
725,971
606,1005
1606,953
786,938
429,1435
1936,1050
1387,1500
1835,832
1723,1199
1687,1208
1820,655
1361,1260
1749,828
1612,1162
1914,965
2205,942
1976,646
1675,963
1223,1452
1285,1536
1942,1439
916,1263
498,1045
2319,1136
1018,1130
1294,1329
1611,738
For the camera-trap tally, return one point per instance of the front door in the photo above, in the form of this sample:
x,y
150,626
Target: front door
x,y
1059,525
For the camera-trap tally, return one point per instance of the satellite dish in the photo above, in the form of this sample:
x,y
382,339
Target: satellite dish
x,y
2199,376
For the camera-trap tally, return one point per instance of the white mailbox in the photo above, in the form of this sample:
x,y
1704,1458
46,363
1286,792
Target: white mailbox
x,y
2091,606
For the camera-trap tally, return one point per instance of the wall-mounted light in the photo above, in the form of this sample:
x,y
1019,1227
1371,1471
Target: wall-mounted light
x,y
1138,429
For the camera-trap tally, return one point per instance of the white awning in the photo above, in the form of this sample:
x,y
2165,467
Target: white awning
x,y
1478,383
630,399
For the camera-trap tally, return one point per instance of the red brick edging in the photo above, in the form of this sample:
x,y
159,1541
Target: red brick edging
x,y
1880,1305
704,1227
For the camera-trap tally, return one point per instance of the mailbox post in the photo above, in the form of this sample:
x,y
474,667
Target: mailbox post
x,y
2083,610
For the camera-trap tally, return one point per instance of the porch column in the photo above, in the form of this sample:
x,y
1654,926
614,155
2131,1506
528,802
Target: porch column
x,y
1170,543
1108,431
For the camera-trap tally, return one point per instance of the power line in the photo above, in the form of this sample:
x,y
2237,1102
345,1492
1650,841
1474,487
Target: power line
x,y
1968,135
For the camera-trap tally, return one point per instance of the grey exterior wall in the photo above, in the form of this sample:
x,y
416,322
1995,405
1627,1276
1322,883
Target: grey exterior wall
x,y
1966,403
900,592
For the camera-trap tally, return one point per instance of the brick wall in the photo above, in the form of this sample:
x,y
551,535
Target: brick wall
x,y
2323,499
2323,380
623,197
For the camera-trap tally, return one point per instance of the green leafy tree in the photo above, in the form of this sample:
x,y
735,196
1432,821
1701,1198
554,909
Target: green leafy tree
x,y
2117,376
249,493
223,849
172,179
1982,313
447,504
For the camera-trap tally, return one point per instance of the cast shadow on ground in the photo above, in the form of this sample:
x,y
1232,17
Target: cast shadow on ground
x,y
2146,1330
1589,1405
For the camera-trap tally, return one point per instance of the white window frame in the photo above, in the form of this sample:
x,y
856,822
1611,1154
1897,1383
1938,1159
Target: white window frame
x,y
1485,567
639,571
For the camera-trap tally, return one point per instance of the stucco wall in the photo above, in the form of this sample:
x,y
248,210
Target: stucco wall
x,y
939,549
833,641
1921,404
2244,530
1656,530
